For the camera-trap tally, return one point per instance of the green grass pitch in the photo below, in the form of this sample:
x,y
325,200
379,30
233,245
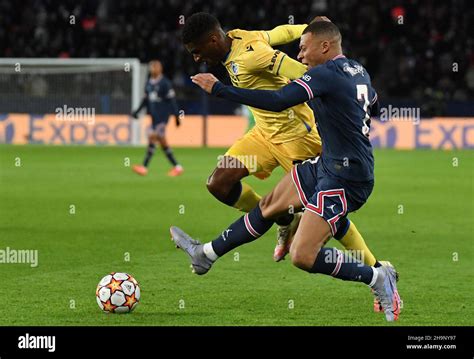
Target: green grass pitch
x,y
119,215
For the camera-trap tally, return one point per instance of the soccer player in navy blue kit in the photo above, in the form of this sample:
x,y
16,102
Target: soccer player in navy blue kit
x,y
160,102
327,187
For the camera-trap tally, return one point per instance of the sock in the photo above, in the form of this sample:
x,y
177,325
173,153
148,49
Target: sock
x,y
170,156
352,240
248,199
334,262
244,230
149,154
285,220
374,277
209,251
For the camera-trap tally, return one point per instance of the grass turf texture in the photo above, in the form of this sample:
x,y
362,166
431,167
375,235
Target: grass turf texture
x,y
119,213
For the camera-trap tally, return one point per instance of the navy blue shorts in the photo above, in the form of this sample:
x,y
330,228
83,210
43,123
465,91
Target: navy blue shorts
x,y
158,126
328,196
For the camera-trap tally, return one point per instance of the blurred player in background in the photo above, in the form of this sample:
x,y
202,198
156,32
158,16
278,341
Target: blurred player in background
x,y
278,138
160,102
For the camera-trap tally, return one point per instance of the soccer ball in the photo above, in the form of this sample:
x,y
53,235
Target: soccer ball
x,y
118,293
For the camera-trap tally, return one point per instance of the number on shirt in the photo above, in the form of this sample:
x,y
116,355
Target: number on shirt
x,y
363,95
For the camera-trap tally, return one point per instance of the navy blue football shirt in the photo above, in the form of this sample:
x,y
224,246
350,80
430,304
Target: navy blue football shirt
x,y
160,98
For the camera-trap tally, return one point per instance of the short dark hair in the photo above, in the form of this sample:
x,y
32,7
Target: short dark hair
x,y
198,25
323,28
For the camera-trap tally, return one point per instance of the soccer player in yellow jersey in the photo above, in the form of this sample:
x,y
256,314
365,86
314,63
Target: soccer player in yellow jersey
x,y
278,138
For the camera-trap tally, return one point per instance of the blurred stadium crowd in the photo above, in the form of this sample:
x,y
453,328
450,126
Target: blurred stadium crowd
x,y
415,50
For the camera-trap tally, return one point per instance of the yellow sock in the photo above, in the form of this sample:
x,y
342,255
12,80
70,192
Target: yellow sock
x,y
248,199
353,240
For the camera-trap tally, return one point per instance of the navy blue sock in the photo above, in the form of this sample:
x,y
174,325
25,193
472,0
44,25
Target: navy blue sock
x,y
244,230
170,156
149,154
285,220
334,262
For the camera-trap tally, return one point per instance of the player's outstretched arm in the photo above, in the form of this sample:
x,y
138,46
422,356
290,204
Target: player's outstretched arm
x,y
284,34
276,101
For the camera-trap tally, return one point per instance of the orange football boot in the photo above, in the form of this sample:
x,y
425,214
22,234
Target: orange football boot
x,y
139,169
176,171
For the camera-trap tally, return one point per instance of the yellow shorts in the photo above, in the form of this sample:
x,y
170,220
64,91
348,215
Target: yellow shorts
x,y
261,157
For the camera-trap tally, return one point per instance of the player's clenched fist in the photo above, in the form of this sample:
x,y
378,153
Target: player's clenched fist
x,y
205,81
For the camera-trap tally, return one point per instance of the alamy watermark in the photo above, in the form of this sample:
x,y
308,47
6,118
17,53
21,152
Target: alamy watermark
x,y
240,161
348,256
408,114
19,256
28,341
75,114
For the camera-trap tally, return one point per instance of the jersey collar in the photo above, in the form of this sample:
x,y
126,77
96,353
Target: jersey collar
x,y
340,56
156,80
226,57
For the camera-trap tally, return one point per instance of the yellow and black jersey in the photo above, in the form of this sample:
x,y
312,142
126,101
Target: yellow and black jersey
x,y
252,63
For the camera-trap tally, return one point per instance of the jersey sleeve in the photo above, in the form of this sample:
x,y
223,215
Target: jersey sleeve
x,y
374,105
283,34
262,57
291,68
265,58
316,82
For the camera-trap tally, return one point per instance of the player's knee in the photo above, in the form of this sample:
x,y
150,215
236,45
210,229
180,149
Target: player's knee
x,y
217,187
265,205
301,259
161,140
212,186
268,207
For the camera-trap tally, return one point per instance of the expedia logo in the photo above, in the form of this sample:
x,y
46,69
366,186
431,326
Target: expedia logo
x,y
383,135
7,129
